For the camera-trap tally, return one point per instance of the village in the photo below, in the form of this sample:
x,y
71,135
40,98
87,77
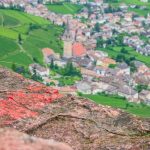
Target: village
x,y
94,70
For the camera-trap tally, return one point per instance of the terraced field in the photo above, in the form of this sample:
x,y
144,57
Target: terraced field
x,y
36,33
141,12
128,2
65,8
114,51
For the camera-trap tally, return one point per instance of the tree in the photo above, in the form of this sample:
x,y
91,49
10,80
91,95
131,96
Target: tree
x,y
35,60
70,70
112,65
79,93
132,58
133,67
124,51
100,42
109,9
35,76
19,38
52,64
40,1
109,42
127,105
90,11
97,27
141,87
56,67
120,58
50,84
33,27
64,25
20,70
14,67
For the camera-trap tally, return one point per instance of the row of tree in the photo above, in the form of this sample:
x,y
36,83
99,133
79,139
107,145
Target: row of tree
x,y
12,7
67,70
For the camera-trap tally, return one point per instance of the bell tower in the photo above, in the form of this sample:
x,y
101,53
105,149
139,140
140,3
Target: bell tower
x,y
68,42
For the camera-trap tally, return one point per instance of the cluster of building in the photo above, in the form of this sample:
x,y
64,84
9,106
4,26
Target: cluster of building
x,y
137,44
111,24
98,77
117,81
22,3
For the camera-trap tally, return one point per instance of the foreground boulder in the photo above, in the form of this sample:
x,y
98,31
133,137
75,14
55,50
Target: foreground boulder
x,y
43,112
14,140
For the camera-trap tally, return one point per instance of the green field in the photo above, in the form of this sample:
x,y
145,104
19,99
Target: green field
x,y
114,51
65,8
134,2
128,2
9,21
36,33
7,46
141,12
133,108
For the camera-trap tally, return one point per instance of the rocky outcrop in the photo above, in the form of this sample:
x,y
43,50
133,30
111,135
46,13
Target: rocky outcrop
x,y
76,121
86,126
21,98
14,140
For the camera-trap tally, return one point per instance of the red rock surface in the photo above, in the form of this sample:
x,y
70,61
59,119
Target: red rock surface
x,y
24,102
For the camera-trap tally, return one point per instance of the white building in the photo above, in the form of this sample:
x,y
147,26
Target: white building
x,y
84,87
40,70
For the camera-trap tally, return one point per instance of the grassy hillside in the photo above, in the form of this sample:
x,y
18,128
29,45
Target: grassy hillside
x,y
134,2
137,109
141,12
64,8
36,33
114,51
128,2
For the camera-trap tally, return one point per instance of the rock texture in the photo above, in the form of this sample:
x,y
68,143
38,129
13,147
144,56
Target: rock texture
x,y
86,126
73,120
14,140
21,98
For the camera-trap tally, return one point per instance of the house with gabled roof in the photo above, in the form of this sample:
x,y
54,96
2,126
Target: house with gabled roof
x,y
84,87
128,92
144,96
39,70
123,69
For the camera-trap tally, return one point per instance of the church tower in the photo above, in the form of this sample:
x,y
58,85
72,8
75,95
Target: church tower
x,y
68,42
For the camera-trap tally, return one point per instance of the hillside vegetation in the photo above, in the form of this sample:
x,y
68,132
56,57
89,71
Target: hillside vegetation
x,y
141,12
118,102
114,51
22,36
64,8
128,2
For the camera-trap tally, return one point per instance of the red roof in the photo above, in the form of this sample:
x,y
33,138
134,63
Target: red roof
x,y
47,51
78,49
